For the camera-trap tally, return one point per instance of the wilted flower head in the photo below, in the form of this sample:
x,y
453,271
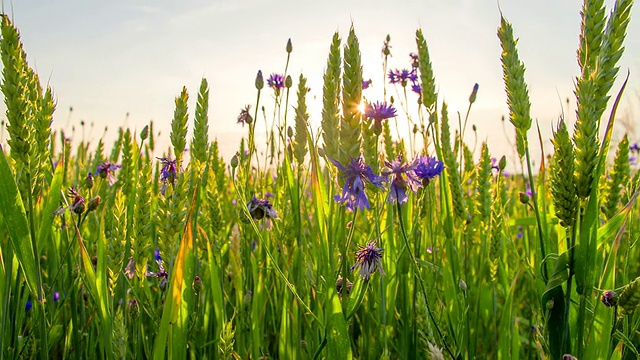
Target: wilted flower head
x,y
415,60
130,270
403,177
340,286
355,175
261,209
245,117
368,259
168,172
276,82
106,171
427,168
161,274
77,202
609,298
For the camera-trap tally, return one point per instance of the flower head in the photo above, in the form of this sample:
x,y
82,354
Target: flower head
x,y
403,177
78,202
635,147
106,171
261,208
245,117
276,82
366,84
609,298
415,60
377,112
56,296
355,175
427,168
162,274
168,172
28,305
416,88
368,259
402,76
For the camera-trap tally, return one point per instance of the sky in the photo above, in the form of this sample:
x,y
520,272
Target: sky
x,y
123,62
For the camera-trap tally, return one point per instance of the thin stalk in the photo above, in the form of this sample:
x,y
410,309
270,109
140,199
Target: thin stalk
x,y
534,200
42,328
343,263
420,281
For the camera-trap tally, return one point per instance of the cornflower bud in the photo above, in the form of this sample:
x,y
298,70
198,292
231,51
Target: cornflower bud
x,y
259,80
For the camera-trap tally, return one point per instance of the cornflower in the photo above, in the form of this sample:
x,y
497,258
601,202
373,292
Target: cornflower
x,y
377,112
368,259
366,84
427,168
276,82
161,274
168,172
106,171
77,203
260,209
402,177
402,76
245,117
355,175
415,60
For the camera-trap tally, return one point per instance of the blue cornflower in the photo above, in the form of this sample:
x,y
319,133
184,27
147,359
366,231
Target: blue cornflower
x,y
402,76
260,209
168,172
106,170
162,274
377,112
276,82
156,255
355,175
366,84
427,168
416,88
635,147
402,177
28,305
56,296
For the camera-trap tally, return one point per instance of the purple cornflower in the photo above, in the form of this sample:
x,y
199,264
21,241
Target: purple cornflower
x,y
416,88
427,168
368,259
402,177
168,172
377,112
156,255
161,274
56,296
635,147
276,82
355,175
494,164
245,117
106,171
78,202
366,84
609,298
402,76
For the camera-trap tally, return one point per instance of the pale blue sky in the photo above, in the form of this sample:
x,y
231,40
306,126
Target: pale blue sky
x,y
112,57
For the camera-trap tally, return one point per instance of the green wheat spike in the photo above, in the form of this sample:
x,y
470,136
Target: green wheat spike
x,y
143,212
618,178
629,299
302,122
370,144
563,185
179,126
17,87
350,130
388,141
515,85
611,51
592,26
219,168
126,177
151,137
44,119
585,135
498,212
451,166
331,100
200,142
116,231
427,79
468,159
214,221
483,186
